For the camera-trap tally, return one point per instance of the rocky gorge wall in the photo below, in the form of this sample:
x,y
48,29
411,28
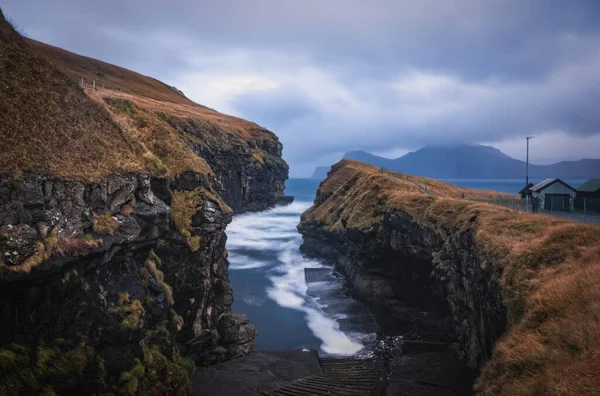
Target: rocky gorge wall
x,y
519,289
400,262
104,262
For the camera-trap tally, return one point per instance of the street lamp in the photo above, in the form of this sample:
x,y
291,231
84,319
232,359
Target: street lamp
x,y
527,176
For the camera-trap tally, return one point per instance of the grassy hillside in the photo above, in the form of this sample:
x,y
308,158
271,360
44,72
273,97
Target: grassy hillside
x,y
49,125
550,272
113,77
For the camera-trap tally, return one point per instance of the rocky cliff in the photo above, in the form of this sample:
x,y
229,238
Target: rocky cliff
x,y
518,288
113,209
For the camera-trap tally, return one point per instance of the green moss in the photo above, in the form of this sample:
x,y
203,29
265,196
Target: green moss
x,y
132,321
55,369
177,319
120,105
155,162
168,292
145,275
158,375
105,224
151,267
140,121
152,256
184,205
130,312
194,243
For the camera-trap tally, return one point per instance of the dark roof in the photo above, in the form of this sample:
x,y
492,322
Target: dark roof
x,y
526,188
547,183
591,185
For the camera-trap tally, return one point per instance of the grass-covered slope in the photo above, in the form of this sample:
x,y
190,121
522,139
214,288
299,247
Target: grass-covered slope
x,y
48,125
111,76
550,272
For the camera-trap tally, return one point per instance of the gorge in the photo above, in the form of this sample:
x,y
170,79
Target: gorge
x,y
117,199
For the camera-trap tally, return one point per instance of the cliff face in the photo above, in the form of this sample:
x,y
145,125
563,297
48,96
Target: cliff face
x,y
395,260
113,209
405,241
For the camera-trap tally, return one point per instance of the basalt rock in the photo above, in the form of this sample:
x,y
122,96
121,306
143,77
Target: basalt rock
x,y
429,282
104,261
407,269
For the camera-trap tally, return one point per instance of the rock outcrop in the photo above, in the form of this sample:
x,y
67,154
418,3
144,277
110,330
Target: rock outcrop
x,y
410,245
113,267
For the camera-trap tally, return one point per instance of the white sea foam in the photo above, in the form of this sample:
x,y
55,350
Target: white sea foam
x,y
275,230
289,290
239,263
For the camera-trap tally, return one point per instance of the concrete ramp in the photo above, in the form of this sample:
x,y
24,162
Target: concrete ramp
x,y
340,377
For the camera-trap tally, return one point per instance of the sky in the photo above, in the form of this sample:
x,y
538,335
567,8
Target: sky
x,y
386,76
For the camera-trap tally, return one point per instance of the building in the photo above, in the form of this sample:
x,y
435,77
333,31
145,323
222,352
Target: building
x,y
588,196
526,190
553,195
589,189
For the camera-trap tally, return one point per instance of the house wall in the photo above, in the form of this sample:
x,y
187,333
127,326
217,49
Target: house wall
x,y
558,188
588,194
555,189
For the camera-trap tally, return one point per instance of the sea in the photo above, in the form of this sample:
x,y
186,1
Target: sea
x,y
298,302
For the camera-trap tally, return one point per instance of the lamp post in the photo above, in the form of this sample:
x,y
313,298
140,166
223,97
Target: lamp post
x,y
527,176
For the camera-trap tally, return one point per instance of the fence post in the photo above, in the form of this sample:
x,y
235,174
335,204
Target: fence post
x,y
94,86
81,82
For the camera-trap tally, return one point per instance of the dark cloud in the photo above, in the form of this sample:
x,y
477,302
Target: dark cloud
x,y
331,76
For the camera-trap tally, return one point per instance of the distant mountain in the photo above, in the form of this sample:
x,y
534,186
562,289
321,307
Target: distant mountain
x,y
472,162
320,172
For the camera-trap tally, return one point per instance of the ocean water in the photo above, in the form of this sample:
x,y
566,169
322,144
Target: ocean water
x,y
267,273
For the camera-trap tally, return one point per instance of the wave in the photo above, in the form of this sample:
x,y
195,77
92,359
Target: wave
x,y
289,291
269,238
239,263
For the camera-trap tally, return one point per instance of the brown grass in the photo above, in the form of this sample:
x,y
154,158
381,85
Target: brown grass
x,y
550,267
105,224
114,77
151,266
184,205
48,125
153,135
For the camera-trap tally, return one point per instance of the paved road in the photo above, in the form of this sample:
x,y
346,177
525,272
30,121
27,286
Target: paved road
x,y
581,217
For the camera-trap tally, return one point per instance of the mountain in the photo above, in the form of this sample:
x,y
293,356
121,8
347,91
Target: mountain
x,y
474,162
320,172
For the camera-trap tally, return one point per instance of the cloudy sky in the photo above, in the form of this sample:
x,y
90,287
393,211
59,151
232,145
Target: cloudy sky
x,y
387,76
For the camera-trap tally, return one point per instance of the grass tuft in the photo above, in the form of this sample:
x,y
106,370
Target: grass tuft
x,y
105,224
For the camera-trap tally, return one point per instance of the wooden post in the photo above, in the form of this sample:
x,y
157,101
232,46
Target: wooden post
x,y
94,86
81,82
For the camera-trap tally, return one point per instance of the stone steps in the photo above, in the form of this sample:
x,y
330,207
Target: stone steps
x,y
341,377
